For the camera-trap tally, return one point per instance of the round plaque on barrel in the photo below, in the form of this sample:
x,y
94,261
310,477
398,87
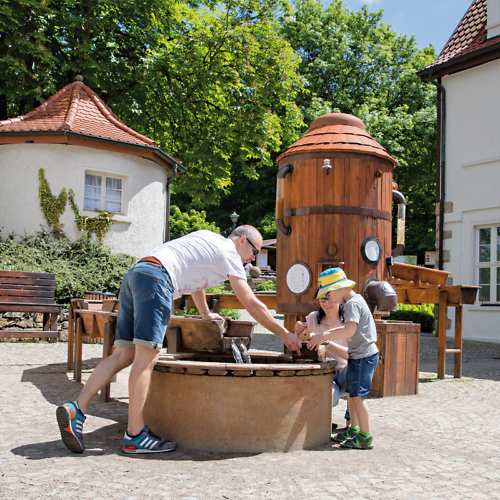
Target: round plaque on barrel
x,y
298,278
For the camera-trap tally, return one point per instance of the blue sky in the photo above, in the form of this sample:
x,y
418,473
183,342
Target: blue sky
x,y
431,21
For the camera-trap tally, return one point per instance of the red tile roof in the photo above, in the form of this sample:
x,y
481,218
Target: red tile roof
x,y
337,132
469,35
76,108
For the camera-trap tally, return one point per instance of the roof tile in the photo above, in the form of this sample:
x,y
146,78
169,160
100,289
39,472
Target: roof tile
x,y
469,35
76,108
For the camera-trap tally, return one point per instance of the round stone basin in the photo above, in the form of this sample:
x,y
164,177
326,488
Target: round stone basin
x,y
273,404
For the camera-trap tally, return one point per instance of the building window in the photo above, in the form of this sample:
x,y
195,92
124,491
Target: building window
x,y
103,193
488,265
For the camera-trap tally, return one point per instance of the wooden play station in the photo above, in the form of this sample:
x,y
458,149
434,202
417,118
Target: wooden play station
x,y
421,285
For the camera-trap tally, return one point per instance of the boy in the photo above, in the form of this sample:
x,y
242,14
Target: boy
x,y
361,335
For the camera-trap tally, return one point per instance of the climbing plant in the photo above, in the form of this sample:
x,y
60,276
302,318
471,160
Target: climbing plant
x,y
98,225
52,206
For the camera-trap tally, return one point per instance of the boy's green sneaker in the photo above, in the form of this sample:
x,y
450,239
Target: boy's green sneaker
x,y
358,442
342,436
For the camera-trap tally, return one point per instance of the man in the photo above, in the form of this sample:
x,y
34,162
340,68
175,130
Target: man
x,y
189,264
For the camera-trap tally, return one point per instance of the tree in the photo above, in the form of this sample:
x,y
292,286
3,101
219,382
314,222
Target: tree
x,y
182,223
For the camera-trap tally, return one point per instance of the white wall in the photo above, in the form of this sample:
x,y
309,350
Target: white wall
x,y
493,22
472,181
143,223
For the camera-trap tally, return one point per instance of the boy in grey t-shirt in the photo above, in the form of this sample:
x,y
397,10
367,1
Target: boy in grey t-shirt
x,y
361,336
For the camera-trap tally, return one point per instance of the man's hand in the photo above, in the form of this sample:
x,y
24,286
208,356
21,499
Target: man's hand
x,y
315,341
212,316
292,342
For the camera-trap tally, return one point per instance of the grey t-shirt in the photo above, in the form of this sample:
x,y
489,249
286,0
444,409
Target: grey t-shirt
x,y
362,343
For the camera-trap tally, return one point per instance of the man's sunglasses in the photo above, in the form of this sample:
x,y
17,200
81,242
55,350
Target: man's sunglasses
x,y
256,250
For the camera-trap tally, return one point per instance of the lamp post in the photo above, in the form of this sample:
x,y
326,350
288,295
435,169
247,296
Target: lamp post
x,y
234,218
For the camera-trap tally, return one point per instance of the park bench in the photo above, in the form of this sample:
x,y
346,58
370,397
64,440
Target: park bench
x,y
30,292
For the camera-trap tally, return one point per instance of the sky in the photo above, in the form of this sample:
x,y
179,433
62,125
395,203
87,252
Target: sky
x,y
431,21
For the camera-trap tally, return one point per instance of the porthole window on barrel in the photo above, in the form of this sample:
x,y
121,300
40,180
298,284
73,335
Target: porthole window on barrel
x,y
371,250
488,263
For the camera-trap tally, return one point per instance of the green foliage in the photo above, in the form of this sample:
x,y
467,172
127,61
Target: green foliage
x,y
98,225
80,266
182,223
52,207
266,286
423,314
229,313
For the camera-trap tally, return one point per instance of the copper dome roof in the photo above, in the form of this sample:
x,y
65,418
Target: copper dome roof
x,y
337,132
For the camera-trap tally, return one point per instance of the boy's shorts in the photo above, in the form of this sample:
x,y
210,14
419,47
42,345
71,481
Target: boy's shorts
x,y
360,374
145,306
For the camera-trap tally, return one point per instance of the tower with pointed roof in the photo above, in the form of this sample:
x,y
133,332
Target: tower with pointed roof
x,y
82,145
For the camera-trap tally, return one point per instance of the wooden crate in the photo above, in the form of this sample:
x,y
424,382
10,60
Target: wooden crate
x,y
397,371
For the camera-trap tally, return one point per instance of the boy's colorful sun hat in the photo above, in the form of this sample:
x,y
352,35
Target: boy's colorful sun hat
x,y
332,279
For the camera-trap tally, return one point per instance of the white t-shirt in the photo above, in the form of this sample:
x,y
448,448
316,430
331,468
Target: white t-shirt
x,y
312,321
199,260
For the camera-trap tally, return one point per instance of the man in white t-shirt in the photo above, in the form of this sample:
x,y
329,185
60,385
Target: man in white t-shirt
x,y
189,264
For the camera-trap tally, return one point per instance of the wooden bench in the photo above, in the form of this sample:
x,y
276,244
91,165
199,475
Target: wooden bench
x,y
32,293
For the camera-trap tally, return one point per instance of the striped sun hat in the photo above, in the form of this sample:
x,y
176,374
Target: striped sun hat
x,y
332,279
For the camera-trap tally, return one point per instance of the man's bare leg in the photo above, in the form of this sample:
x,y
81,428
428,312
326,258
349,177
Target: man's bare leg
x,y
138,384
103,372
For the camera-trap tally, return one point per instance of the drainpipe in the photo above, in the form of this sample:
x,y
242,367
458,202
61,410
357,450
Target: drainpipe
x,y
441,170
280,192
167,218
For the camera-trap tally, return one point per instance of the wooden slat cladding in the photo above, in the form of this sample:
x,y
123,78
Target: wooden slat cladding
x,y
330,213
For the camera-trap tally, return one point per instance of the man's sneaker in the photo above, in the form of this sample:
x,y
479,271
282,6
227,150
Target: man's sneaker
x,y
342,436
358,443
146,442
70,420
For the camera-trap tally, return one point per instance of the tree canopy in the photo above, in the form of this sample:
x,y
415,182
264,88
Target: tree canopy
x,y
226,86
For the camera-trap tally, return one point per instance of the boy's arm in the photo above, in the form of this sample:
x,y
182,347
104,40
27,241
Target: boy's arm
x,y
343,332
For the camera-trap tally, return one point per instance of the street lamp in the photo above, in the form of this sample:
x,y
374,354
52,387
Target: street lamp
x,y
234,219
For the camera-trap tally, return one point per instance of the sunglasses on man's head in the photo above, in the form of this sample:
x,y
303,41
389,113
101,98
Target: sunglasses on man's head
x,y
256,250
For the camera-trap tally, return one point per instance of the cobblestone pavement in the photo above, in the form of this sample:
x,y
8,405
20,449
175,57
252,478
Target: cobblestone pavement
x,y
440,444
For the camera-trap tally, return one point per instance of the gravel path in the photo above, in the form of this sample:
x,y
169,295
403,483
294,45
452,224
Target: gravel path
x,y
440,444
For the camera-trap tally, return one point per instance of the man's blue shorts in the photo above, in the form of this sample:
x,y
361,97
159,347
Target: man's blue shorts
x,y
145,306
359,375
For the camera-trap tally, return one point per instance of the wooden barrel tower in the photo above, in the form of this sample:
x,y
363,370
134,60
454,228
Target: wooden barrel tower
x,y
333,209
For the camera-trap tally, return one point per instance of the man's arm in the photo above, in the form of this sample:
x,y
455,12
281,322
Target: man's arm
x,y
200,302
259,312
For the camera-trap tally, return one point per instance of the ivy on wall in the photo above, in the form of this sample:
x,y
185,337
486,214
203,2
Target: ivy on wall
x,y
52,207
99,225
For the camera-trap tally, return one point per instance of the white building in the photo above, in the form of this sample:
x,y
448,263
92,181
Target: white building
x,y
83,146
467,75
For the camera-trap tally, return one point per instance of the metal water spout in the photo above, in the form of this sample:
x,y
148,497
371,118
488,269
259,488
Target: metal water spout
x,y
380,296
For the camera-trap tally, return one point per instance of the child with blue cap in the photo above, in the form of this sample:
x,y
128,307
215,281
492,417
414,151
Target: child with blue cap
x,y
361,335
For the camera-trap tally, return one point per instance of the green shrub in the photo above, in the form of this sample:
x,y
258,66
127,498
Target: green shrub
x,y
423,314
230,313
267,286
182,223
80,266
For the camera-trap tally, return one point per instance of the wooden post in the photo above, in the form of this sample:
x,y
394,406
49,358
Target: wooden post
x,y
78,350
71,338
109,336
174,340
443,306
457,371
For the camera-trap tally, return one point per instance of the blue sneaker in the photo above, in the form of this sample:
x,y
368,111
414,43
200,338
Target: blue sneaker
x,y
147,442
70,420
